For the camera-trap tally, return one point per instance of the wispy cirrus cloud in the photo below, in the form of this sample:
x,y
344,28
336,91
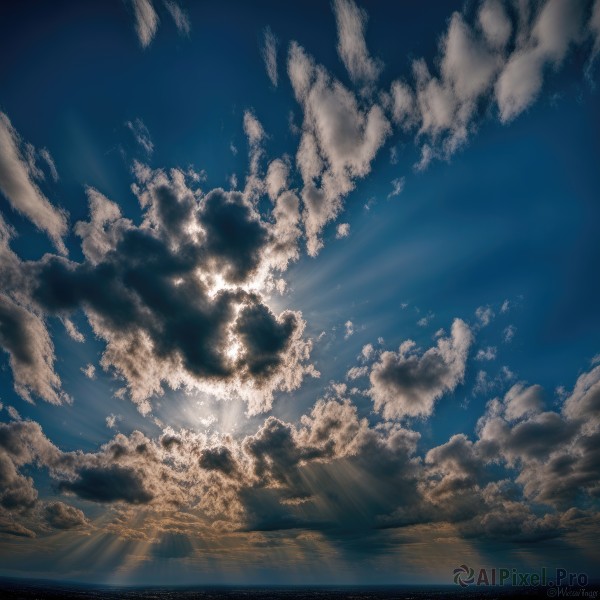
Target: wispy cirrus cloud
x,y
22,192
269,54
147,19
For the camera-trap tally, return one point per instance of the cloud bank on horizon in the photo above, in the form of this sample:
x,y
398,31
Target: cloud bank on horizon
x,y
186,296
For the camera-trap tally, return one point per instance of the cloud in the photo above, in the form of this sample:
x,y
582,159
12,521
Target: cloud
x,y
558,24
594,29
397,187
342,231
175,299
62,516
339,140
407,383
509,333
17,185
277,177
269,54
497,61
31,353
180,18
109,484
146,21
47,157
141,134
584,402
488,353
111,421
495,23
424,321
349,329
89,371
352,49
484,314
16,491
285,475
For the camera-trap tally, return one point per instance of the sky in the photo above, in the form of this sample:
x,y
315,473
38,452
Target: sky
x,y
298,292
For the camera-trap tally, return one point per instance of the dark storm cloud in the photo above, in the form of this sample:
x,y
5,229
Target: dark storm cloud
x,y
265,338
235,237
335,474
154,293
218,459
109,484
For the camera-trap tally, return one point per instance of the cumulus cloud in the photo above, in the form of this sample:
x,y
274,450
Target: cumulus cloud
x,y
18,186
173,298
89,371
495,23
407,382
352,48
342,231
495,62
285,475
557,25
31,353
63,516
339,140
269,54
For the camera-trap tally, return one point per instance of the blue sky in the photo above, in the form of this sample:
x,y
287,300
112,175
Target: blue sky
x,y
298,294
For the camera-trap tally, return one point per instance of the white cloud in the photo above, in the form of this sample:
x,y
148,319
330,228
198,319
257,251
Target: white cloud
x,y
403,104
349,329
89,371
45,154
557,26
509,333
13,412
352,48
408,382
141,134
424,321
269,54
72,330
111,421
182,21
594,30
146,21
488,353
495,24
339,141
22,192
397,187
277,177
342,231
484,314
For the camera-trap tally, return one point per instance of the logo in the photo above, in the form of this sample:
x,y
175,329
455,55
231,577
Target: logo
x,y
557,581
463,576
